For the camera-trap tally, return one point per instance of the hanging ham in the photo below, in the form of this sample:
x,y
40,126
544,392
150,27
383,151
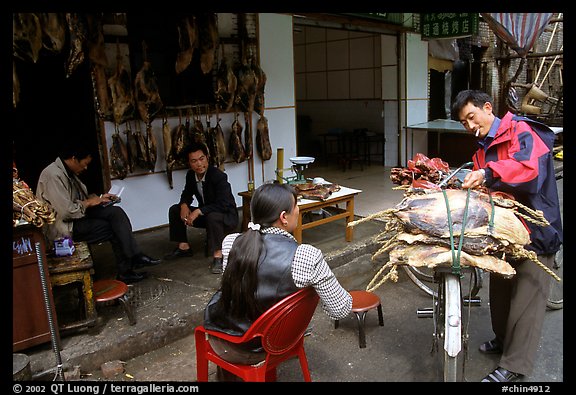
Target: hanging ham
x,y
187,41
263,139
26,36
118,157
53,31
235,142
208,40
78,32
226,84
260,85
147,94
121,93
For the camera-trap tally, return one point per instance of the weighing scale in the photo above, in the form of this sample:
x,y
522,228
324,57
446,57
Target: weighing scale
x,y
299,164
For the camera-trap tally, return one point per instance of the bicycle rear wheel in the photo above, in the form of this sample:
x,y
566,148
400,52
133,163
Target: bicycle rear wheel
x,y
556,295
423,277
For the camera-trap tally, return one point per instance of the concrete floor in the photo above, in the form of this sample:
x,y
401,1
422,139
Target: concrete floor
x,y
169,304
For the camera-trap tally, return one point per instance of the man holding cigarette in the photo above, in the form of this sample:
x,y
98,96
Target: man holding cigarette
x,y
515,156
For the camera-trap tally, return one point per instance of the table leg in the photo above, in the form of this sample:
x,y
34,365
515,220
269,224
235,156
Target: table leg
x,y
349,218
298,230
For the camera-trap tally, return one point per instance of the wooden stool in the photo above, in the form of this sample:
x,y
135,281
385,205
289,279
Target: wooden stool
x,y
77,268
362,301
107,290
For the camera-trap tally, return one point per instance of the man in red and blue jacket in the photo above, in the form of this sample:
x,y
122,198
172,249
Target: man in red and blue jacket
x,y
513,157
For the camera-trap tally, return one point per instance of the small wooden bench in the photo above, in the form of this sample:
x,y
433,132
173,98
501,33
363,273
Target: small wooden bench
x,y
77,268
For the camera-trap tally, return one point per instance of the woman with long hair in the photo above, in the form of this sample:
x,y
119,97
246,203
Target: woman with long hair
x,y
262,266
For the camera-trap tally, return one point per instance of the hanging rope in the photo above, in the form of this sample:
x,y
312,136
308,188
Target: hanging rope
x,y
456,258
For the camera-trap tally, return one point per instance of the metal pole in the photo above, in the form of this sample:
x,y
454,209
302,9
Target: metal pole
x,y
49,309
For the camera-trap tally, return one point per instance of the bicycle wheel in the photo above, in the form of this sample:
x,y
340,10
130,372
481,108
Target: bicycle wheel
x,y
423,277
453,357
556,295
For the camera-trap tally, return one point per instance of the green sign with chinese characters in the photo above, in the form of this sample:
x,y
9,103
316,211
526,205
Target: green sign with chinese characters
x,y
448,25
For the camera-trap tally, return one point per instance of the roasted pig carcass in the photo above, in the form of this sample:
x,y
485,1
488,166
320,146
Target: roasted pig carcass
x,y
53,31
121,91
226,84
26,36
316,191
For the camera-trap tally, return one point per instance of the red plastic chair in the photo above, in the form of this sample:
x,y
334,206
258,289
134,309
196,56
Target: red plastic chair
x,y
281,329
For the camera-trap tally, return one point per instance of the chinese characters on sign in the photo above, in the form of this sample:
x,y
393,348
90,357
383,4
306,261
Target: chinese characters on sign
x,y
448,25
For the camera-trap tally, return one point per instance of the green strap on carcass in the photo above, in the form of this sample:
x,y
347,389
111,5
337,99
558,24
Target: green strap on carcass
x,y
456,258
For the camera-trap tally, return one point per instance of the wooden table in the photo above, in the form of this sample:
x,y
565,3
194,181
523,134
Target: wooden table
x,y
343,196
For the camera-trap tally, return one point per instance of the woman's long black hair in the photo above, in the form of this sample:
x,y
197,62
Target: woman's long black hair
x,y
240,280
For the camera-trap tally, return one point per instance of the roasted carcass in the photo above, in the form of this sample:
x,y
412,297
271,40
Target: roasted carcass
x,y
426,227
316,191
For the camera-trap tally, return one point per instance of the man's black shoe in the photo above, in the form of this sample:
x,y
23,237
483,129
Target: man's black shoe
x,y
131,276
216,267
491,347
501,375
142,260
178,253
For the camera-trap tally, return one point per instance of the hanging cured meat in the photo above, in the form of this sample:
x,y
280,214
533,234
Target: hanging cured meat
x,y
248,135
26,36
263,139
208,40
118,157
216,145
187,41
53,31
101,91
151,148
95,40
226,84
121,93
197,133
246,88
235,143
142,148
78,32
132,148
260,85
147,94
167,140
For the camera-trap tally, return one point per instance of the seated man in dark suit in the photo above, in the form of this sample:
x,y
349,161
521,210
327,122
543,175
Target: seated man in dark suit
x,y
216,209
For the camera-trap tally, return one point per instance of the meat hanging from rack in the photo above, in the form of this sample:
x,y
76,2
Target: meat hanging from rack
x,y
142,157
217,145
187,41
132,148
246,87
197,132
168,154
147,94
118,157
123,103
95,40
101,91
226,84
208,40
235,143
53,31
78,32
248,135
263,145
26,36
260,85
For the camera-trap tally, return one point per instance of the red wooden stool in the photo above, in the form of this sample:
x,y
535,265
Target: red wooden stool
x,y
362,301
108,289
